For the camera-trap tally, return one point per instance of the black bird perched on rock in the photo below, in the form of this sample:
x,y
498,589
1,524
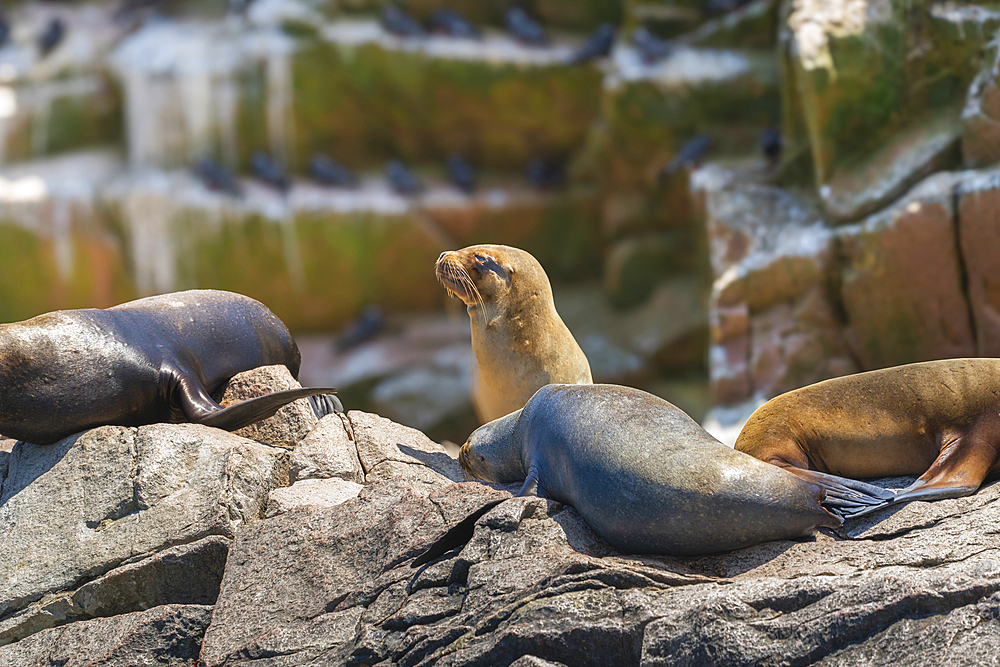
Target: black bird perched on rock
x,y
461,173
402,179
51,36
326,171
399,23
650,47
368,325
524,28
217,177
689,155
597,45
543,174
269,171
770,143
450,22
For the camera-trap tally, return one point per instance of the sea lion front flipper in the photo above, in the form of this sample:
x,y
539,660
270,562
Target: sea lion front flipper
x,y
252,410
531,487
847,498
325,404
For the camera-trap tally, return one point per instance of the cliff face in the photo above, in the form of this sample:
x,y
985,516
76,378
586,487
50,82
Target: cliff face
x,y
166,544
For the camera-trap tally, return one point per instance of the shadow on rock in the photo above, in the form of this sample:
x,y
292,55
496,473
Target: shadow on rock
x,y
439,462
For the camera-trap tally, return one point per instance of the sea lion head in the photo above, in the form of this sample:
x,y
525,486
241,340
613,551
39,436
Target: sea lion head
x,y
493,452
489,278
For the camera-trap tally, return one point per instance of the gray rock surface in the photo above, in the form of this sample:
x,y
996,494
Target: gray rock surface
x,y
312,493
918,583
185,574
327,451
288,425
73,511
169,636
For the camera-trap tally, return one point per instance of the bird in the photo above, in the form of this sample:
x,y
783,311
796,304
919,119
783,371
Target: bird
x,y
650,47
326,171
402,179
51,37
543,174
689,155
270,171
770,143
399,23
461,173
450,22
217,177
368,325
597,45
524,28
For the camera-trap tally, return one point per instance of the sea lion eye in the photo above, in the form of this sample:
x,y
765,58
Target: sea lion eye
x,y
479,258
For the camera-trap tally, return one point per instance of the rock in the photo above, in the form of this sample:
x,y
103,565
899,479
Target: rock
x,y
860,189
311,493
169,635
981,117
635,265
328,451
773,326
288,425
978,201
185,574
896,61
391,451
534,584
92,502
300,599
901,284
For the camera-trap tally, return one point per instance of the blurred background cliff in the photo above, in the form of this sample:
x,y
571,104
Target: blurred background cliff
x,y
732,198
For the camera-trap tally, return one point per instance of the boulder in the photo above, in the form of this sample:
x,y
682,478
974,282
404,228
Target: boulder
x,y
327,451
773,323
535,584
311,493
288,425
73,511
392,451
185,574
901,284
169,636
978,209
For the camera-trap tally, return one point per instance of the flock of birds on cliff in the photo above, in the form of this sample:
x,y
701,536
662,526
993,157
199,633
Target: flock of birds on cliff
x,y
540,173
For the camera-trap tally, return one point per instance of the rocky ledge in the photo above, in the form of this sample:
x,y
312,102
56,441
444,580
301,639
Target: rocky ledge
x,y
169,544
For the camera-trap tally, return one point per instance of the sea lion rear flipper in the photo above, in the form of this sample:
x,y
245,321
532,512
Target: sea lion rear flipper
x,y
252,410
325,404
847,498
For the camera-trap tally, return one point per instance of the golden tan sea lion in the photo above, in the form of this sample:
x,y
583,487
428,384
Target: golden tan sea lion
x,y
937,419
520,342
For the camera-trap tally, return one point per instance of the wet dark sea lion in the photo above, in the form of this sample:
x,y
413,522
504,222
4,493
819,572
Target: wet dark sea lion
x,y
147,361
646,477
520,342
936,419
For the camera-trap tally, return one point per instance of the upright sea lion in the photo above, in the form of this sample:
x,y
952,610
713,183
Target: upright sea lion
x,y
520,342
937,419
153,360
646,477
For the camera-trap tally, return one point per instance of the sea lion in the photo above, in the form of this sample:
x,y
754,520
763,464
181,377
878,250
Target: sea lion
x,y
520,342
936,419
148,361
646,477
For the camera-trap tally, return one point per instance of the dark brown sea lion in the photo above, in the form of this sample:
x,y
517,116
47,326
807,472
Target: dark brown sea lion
x,y
937,419
520,342
153,360
646,477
